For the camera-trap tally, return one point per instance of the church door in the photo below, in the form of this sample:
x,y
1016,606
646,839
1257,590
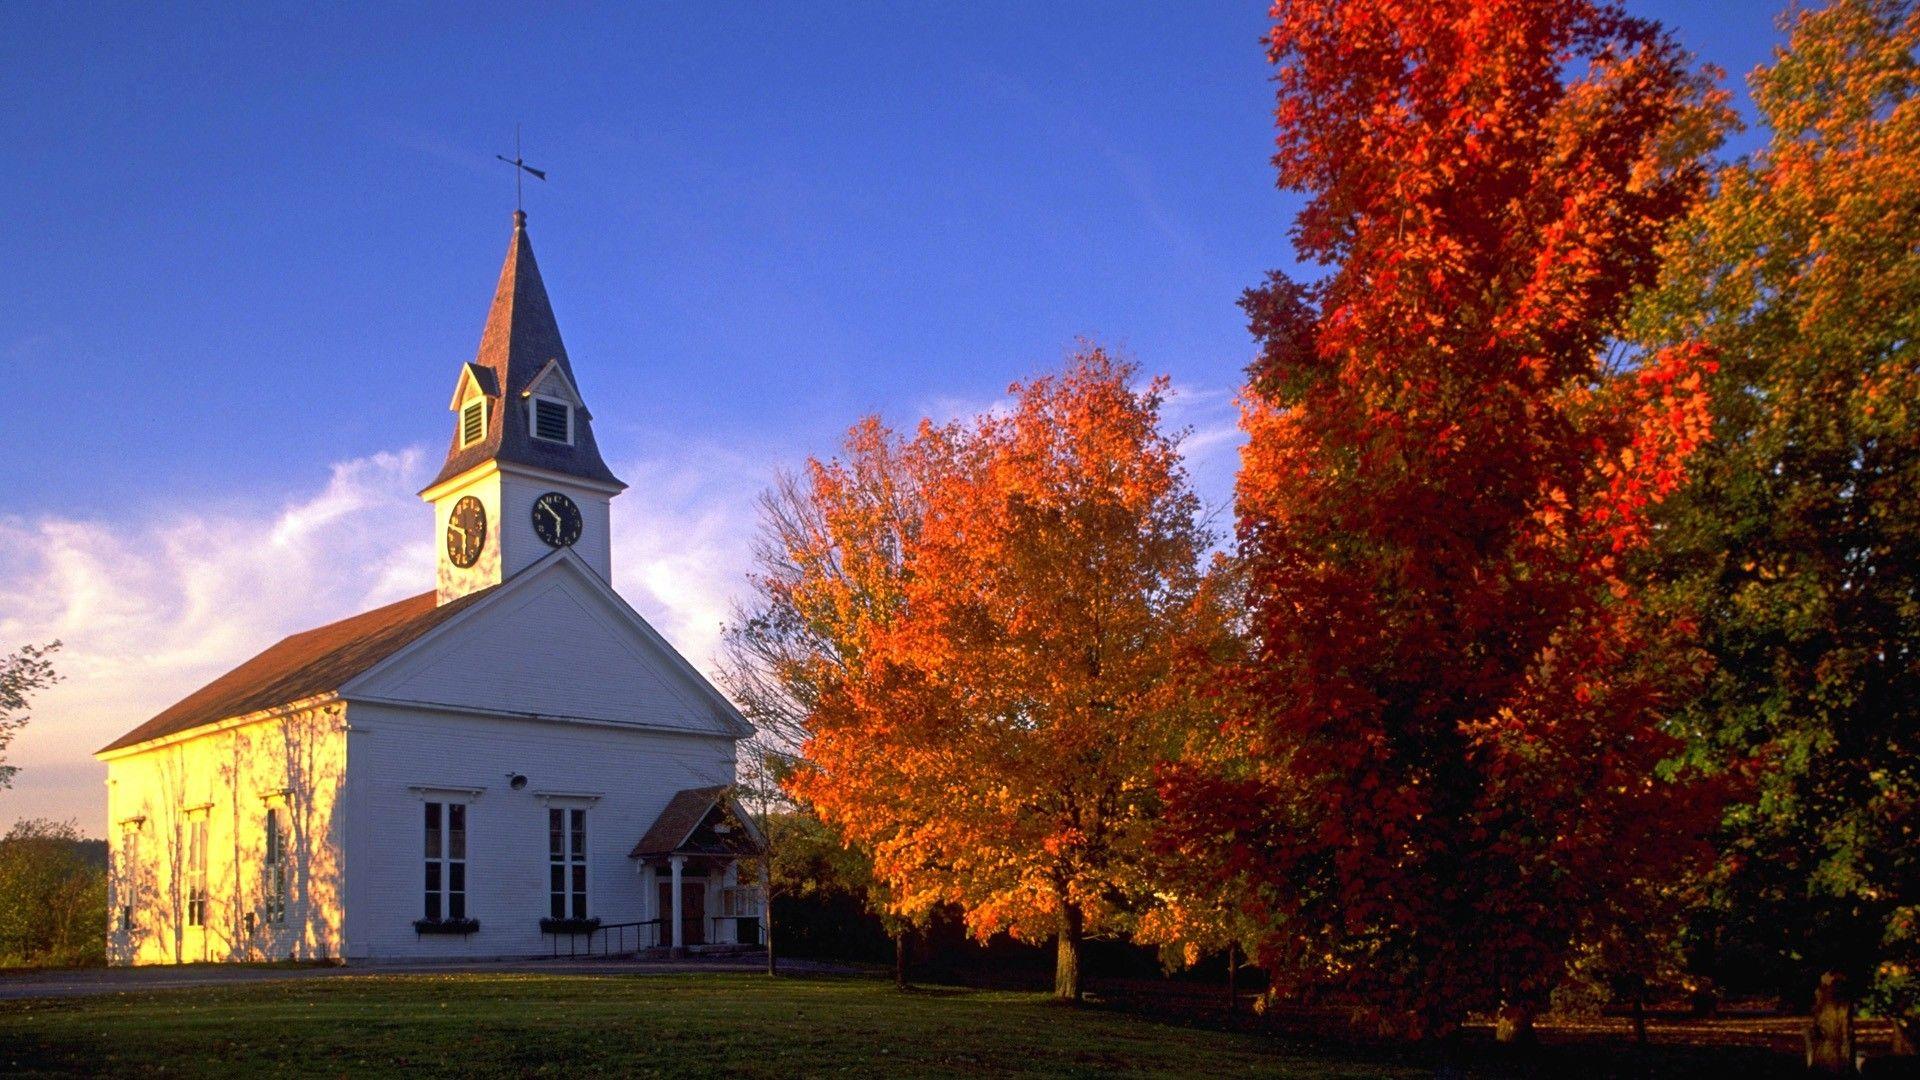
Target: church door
x,y
693,913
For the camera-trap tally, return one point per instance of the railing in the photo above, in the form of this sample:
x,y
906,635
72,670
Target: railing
x,y
613,938
646,934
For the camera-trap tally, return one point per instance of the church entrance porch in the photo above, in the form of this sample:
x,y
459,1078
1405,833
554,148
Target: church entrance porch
x,y
693,855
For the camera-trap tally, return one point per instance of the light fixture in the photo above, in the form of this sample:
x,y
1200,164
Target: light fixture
x,y
516,781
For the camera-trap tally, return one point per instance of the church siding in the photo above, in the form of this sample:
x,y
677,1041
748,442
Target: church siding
x,y
401,755
229,779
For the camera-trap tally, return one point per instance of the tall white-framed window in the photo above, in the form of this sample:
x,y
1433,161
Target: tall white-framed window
x,y
127,882
550,419
197,870
273,865
567,862
446,860
473,421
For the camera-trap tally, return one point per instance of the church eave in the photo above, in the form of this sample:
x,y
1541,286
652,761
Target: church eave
x,y
612,485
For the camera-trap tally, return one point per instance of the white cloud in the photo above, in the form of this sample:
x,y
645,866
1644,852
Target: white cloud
x,y
683,539
150,611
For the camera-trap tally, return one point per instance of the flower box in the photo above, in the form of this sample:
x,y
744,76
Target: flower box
x,y
569,926
462,927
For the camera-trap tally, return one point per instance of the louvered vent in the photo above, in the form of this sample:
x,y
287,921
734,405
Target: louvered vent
x,y
473,423
550,420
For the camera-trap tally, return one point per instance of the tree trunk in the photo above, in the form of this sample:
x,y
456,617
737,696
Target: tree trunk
x,y
1640,1020
1514,1025
1066,968
1830,1028
766,912
900,959
1233,977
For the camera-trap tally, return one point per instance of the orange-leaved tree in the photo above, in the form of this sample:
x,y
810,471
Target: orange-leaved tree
x,y
995,744
829,575
1453,772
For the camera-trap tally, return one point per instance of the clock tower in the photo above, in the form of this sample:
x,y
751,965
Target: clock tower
x,y
523,475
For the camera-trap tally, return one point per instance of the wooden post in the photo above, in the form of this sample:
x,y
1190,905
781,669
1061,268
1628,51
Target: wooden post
x,y
1830,1028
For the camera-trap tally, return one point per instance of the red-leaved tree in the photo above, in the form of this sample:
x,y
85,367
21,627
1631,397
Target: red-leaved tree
x,y
1451,773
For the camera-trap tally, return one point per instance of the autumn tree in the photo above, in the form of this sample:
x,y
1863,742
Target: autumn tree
x,y
1798,537
1003,686
829,575
1451,775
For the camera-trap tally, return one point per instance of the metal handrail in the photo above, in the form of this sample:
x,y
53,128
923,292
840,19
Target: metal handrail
x,y
607,937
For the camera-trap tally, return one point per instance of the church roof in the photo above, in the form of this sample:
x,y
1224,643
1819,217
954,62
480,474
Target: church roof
x,y
314,662
521,338
673,832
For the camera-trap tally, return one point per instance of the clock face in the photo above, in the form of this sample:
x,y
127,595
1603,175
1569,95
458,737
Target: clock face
x,y
466,532
556,520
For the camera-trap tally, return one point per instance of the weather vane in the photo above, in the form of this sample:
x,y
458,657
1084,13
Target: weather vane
x,y
519,166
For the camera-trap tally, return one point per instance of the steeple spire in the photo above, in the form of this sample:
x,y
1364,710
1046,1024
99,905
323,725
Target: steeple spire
x,y
520,347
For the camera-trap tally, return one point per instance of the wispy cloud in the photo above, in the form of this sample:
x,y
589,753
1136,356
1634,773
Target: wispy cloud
x,y
683,539
150,611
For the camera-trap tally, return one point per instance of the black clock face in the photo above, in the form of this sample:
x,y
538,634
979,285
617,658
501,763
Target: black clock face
x,y
466,532
556,520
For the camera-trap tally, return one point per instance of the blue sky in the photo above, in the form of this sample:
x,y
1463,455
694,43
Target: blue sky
x,y
250,247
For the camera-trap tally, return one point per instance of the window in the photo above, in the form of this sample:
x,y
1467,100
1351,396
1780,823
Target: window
x,y
446,892
129,880
274,864
473,421
197,871
552,420
567,862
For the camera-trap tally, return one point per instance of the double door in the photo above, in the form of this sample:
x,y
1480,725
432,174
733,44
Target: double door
x,y
693,913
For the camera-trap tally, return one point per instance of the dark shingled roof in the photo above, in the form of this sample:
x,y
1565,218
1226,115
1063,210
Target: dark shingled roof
x,y
521,337
672,831
314,662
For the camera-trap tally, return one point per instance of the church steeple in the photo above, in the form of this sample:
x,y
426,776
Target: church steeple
x,y
523,474
521,358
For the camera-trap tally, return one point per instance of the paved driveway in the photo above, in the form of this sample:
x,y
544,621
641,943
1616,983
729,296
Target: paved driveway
x,y
126,980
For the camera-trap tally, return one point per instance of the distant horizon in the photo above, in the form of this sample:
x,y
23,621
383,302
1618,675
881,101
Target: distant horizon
x,y
257,245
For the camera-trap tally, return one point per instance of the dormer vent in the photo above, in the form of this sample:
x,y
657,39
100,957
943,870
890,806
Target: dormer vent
x,y
473,422
552,420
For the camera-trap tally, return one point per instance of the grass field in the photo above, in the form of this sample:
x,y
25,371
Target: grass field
x,y
659,1025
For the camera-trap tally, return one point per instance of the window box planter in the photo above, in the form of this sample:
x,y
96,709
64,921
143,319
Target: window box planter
x,y
569,926
462,927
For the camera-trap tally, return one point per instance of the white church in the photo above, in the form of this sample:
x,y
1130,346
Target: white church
x,y
512,763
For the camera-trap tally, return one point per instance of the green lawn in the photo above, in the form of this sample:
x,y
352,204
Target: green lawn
x,y
648,1025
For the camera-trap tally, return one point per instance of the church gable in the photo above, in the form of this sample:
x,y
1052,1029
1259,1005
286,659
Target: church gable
x,y
554,642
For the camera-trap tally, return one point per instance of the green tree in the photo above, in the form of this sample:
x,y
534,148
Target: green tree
x,y
1798,539
21,675
53,901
